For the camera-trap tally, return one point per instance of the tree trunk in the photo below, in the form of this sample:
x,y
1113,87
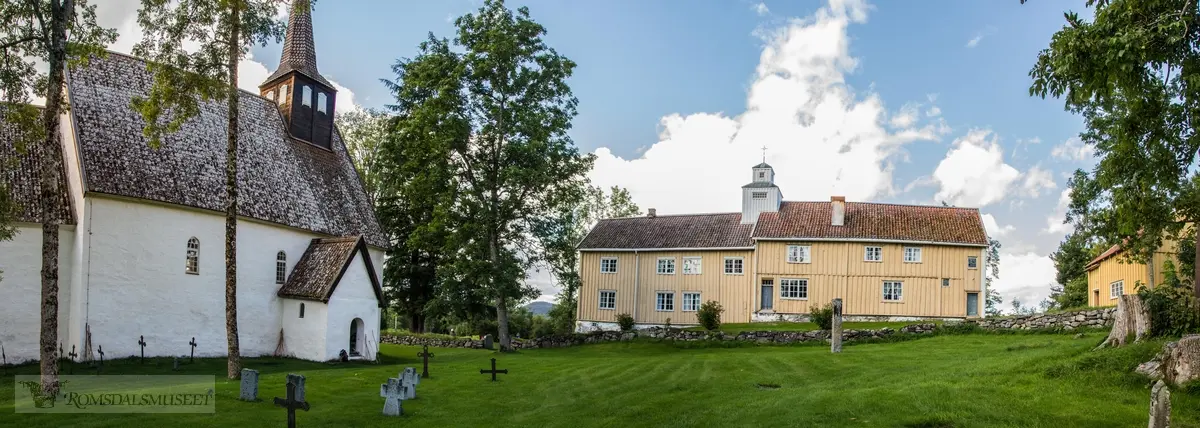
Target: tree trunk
x,y
1131,318
51,168
1196,268
231,196
501,302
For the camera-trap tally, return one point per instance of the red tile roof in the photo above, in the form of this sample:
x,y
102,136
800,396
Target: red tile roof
x,y
670,231
874,221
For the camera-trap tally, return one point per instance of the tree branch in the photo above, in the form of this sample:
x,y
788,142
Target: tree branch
x,y
17,42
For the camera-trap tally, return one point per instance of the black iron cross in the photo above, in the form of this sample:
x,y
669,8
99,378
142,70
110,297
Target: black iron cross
x,y
101,351
193,357
291,404
493,371
142,342
426,355
72,355
3,360
58,361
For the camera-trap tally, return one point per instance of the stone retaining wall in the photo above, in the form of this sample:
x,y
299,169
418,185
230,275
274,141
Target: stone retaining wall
x,y
1066,320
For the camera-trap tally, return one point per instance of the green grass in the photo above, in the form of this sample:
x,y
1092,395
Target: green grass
x,y
1045,380
735,328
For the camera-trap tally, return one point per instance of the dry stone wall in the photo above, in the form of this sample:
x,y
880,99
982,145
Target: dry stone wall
x,y
1090,318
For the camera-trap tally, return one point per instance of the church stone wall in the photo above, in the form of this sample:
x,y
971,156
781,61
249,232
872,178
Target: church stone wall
x,y
305,337
21,290
353,298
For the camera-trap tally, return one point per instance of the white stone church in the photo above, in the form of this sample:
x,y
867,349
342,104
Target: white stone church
x,y
142,241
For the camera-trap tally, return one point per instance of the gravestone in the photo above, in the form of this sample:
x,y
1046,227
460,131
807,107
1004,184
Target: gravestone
x,y
192,359
493,371
291,404
835,334
1160,405
408,384
249,385
487,342
393,396
425,356
297,380
412,372
175,364
142,343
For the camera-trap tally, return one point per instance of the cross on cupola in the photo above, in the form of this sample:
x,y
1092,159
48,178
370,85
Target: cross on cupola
x,y
305,98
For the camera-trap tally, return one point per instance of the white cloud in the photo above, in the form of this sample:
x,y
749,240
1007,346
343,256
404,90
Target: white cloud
x,y
1054,223
761,9
974,41
1074,150
823,139
933,111
986,31
1025,276
994,229
973,173
906,117
1037,179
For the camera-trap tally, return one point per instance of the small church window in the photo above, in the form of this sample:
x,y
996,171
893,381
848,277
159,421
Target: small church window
x,y
283,93
280,267
307,95
762,174
321,101
301,310
193,256
758,195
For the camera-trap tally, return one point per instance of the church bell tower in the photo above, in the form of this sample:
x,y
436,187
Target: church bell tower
x,y
304,97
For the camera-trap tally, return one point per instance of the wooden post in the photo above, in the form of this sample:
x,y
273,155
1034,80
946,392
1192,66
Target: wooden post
x,y
835,333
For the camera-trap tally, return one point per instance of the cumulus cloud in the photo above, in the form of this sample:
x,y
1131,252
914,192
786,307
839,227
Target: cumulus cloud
x,y
822,137
761,9
1025,276
973,173
994,229
1055,222
974,41
1037,179
1073,150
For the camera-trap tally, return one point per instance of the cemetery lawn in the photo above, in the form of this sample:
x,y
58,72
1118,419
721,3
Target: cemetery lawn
x,y
976,380
736,328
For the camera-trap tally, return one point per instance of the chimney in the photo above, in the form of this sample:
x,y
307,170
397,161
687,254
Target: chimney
x,y
650,213
838,205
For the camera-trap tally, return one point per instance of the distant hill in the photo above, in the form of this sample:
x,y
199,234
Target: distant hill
x,y
540,308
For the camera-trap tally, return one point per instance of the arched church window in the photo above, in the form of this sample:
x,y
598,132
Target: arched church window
x,y
283,93
193,256
307,94
301,310
321,101
280,267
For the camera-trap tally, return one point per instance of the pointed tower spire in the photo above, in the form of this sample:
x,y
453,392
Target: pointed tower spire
x,y
299,51
305,98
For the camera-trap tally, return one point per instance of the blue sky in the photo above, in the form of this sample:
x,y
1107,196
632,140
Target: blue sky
x,y
906,102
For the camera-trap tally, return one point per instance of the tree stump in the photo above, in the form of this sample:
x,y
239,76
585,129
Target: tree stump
x,y
1182,360
1131,318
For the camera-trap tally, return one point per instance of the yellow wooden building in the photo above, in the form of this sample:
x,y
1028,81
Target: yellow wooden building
x,y
775,258
1111,274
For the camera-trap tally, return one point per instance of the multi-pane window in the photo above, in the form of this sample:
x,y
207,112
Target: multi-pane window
x,y
758,195
799,253
283,94
193,256
608,299
608,265
893,291
665,301
306,95
666,266
1116,289
945,282
321,102
691,302
762,174
793,288
280,267
912,254
972,262
691,265
734,266
874,254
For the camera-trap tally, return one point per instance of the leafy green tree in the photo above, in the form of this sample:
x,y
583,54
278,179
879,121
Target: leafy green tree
x,y
363,132
1070,262
1131,74
993,301
61,34
510,157
221,32
991,272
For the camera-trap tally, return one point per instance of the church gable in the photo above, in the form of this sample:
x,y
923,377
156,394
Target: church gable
x,y
324,264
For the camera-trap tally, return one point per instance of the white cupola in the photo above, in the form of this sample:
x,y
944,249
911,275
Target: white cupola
x,y
761,195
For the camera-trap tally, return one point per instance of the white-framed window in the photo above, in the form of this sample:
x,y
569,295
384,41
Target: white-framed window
x,y
691,301
608,299
758,195
664,301
301,310
280,267
666,266
893,291
972,262
608,265
873,254
271,95
306,95
792,288
762,174
799,254
193,256
945,282
912,254
1116,289
283,94
321,102
691,265
734,266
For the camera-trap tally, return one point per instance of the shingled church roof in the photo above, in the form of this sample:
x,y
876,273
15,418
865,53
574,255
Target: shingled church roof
x,y
322,266
281,180
21,172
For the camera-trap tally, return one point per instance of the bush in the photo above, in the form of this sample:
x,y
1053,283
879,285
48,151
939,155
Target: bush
x,y
625,321
710,315
1173,309
822,316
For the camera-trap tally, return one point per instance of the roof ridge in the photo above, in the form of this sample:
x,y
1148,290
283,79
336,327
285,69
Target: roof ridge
x,y
889,204
671,215
146,61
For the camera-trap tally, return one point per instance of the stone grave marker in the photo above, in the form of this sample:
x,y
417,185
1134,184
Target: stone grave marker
x,y
487,342
835,333
175,364
393,397
192,359
1160,405
493,371
425,356
291,404
408,384
249,385
413,373
298,380
142,343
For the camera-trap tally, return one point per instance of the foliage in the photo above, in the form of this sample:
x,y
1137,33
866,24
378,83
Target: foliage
x,y
822,316
363,132
499,108
1019,309
991,272
709,315
1070,263
993,301
625,321
1130,73
193,48
1174,310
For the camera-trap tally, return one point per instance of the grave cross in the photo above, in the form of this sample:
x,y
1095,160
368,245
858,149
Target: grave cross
x,y
291,404
3,360
425,356
192,359
72,355
493,371
142,342
393,395
59,361
100,349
